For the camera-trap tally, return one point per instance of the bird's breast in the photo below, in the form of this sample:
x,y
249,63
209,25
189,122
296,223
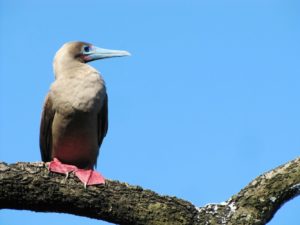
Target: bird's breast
x,y
84,94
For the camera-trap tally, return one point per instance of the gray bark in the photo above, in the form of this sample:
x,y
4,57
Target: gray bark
x,y
31,186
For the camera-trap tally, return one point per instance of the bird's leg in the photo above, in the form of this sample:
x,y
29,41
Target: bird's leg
x,y
87,177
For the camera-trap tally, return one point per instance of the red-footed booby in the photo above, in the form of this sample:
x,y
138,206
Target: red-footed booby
x,y
75,118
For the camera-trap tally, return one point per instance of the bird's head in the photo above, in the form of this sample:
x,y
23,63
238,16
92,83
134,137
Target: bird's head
x,y
86,52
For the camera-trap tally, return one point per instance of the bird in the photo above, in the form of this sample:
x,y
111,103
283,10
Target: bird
x,y
74,119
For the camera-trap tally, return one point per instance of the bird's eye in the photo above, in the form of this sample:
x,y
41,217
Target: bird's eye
x,y
86,48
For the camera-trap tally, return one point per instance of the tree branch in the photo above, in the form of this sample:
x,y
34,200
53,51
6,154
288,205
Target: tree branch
x,y
31,186
258,202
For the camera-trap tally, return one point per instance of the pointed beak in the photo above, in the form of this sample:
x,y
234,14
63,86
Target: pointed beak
x,y
102,53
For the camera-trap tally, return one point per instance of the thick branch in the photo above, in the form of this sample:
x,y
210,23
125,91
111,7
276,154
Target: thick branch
x,y
31,186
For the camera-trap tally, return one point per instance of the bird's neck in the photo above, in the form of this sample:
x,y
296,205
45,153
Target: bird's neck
x,y
67,67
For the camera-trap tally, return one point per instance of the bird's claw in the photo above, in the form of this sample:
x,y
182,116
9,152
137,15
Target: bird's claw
x,y
67,175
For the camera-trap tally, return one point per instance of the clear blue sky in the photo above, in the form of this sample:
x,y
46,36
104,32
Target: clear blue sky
x,y
208,100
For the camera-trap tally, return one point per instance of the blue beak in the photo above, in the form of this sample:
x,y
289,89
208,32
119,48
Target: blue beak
x,y
102,53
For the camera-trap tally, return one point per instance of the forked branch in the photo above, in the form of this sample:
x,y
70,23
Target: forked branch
x,y
30,186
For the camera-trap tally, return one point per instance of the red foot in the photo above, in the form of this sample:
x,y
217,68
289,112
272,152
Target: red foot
x,y
88,177
58,167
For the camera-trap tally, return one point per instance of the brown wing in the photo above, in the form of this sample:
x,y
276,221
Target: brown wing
x,y
103,121
46,130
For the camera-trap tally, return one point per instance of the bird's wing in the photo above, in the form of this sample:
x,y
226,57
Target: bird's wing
x,y
46,130
103,121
